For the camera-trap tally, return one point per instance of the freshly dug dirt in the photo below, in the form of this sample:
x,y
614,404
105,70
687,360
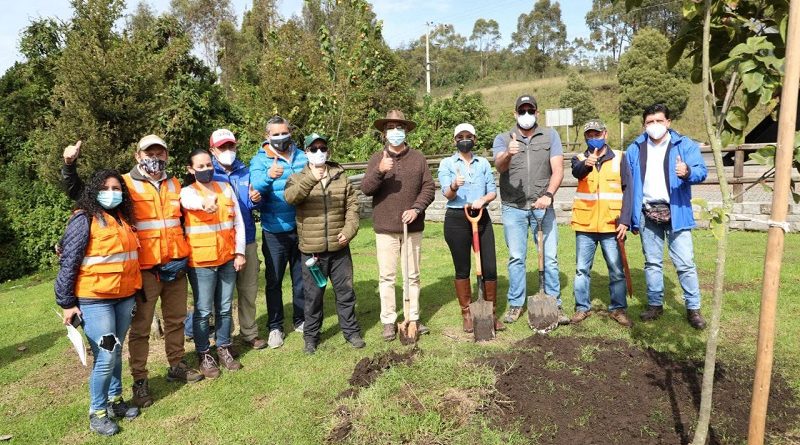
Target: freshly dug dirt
x,y
566,390
367,369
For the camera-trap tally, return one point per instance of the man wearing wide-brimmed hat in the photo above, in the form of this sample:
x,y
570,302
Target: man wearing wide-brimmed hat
x,y
401,186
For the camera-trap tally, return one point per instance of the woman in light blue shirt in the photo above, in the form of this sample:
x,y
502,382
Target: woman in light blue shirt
x,y
467,180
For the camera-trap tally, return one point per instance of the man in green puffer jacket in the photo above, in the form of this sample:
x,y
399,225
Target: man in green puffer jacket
x,y
327,220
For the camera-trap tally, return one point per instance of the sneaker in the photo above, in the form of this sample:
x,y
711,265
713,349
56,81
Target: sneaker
x,y
183,373
513,313
226,359
311,347
100,423
695,319
141,394
356,341
562,319
579,316
208,366
257,343
422,329
621,317
389,331
299,327
119,409
275,339
652,313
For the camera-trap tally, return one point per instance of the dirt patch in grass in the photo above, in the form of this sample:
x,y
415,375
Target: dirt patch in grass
x,y
577,390
367,370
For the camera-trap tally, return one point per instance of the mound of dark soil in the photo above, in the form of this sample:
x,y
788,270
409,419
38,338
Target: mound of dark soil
x,y
368,369
569,390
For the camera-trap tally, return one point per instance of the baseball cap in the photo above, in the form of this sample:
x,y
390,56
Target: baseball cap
x,y
150,140
313,137
464,127
595,124
526,99
220,137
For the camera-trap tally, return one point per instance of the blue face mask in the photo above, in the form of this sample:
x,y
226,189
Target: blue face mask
x,y
596,144
109,198
396,136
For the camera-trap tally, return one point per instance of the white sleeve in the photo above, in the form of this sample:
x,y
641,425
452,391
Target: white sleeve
x,y
190,200
238,222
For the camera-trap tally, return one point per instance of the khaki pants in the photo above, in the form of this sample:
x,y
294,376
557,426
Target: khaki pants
x,y
173,308
390,251
247,289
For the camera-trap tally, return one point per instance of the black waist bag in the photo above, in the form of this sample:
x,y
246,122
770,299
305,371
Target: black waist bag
x,y
658,212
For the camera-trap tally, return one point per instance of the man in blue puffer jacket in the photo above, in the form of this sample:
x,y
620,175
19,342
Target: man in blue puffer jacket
x,y
664,165
278,159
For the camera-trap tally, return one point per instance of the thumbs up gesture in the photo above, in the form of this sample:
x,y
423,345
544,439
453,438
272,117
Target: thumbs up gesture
x,y
255,196
681,169
513,145
387,163
276,171
459,181
591,161
72,152
210,203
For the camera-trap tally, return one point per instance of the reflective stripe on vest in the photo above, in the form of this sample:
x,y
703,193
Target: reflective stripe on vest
x,y
113,258
211,236
193,230
158,224
598,198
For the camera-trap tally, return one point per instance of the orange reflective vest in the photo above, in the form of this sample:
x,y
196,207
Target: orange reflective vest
x,y
110,267
211,236
158,221
598,198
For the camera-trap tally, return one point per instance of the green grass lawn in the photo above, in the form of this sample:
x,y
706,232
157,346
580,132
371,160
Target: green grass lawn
x,y
284,397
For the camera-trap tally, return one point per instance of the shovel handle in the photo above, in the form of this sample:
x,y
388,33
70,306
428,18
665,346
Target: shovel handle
x,y
625,267
476,243
540,243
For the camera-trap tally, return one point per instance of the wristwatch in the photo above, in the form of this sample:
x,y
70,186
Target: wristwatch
x,y
418,211
549,195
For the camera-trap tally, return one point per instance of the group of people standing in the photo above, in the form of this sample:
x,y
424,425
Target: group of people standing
x,y
141,236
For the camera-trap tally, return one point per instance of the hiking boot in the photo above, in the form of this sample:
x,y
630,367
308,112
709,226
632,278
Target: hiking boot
x,y
208,366
695,319
275,339
389,331
183,373
141,394
579,316
226,359
652,313
300,328
562,319
119,409
621,317
490,292
464,296
100,423
310,347
257,343
422,329
512,314
356,341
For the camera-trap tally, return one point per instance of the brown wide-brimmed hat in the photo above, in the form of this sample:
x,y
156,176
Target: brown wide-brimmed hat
x,y
395,116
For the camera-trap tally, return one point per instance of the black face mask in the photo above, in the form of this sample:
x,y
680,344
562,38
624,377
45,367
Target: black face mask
x,y
465,145
281,143
204,176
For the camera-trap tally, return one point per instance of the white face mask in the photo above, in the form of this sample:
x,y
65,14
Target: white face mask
x,y
396,136
656,130
226,157
526,121
317,159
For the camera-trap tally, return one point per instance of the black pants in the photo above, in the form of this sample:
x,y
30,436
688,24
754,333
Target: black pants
x,y
338,266
458,235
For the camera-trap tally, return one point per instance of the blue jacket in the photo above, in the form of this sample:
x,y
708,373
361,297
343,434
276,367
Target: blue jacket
x,y
239,179
277,216
680,192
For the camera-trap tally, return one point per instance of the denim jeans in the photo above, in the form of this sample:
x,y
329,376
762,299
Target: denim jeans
x,y
515,226
212,288
681,251
105,324
280,249
585,248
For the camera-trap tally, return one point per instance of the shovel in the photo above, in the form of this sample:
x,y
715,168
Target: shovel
x,y
625,267
407,328
542,308
482,311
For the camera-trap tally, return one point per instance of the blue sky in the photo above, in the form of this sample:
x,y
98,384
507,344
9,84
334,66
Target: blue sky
x,y
403,21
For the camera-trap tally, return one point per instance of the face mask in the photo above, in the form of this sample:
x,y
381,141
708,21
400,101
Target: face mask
x,y
596,144
204,176
317,158
281,143
109,198
152,166
465,146
396,137
656,131
526,121
226,157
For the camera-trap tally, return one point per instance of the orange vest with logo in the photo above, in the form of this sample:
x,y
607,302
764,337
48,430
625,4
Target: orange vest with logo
x,y
110,268
158,221
598,198
211,236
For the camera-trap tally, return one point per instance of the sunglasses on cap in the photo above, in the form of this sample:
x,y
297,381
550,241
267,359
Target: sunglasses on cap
x,y
314,148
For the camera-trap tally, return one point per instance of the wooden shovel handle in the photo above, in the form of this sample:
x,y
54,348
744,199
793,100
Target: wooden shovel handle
x,y
476,243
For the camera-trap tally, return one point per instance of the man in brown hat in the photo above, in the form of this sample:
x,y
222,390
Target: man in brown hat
x,y
401,186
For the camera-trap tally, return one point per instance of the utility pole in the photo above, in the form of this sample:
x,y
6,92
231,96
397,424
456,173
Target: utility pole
x,y
428,58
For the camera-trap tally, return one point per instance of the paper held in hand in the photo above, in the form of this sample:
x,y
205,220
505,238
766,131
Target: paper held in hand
x,y
76,339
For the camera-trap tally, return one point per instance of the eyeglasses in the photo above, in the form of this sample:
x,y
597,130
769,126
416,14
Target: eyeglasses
x,y
314,148
529,111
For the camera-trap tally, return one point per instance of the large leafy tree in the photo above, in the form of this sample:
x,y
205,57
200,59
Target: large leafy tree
x,y
579,97
541,35
485,36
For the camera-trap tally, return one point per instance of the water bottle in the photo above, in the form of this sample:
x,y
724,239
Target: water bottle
x,y
311,263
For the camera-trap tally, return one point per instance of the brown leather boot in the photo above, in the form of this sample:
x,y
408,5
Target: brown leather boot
x,y
464,295
490,293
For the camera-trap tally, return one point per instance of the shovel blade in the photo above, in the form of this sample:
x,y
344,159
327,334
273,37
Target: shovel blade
x,y
482,312
542,313
407,331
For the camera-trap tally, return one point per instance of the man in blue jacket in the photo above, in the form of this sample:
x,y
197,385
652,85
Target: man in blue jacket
x,y
664,165
278,159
